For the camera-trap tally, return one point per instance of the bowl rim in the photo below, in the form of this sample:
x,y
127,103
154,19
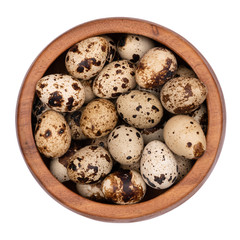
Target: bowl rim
x,y
178,193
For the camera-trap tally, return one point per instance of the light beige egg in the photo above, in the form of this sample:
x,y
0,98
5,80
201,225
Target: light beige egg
x,y
61,92
98,118
86,59
132,47
52,134
125,144
116,78
184,166
156,67
89,95
184,71
124,187
58,170
89,164
139,109
158,165
183,95
91,191
184,136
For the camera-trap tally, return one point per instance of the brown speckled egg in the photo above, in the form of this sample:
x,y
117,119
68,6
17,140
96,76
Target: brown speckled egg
x,y
60,92
91,191
183,95
115,78
124,187
86,59
73,120
132,47
184,136
98,118
183,71
89,164
112,49
139,109
200,115
89,95
156,67
184,166
158,165
125,144
52,134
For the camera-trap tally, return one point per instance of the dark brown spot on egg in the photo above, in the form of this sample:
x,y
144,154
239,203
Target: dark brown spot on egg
x,y
55,99
87,64
138,134
103,48
93,147
188,91
74,49
122,41
117,65
198,150
75,86
47,133
91,167
129,157
114,95
134,116
138,107
69,104
43,85
165,98
135,58
185,109
124,85
189,144
160,179
115,88
155,108
149,182
132,73
72,166
118,71
98,133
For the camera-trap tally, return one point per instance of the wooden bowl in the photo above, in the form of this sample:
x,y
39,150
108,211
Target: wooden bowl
x,y
157,205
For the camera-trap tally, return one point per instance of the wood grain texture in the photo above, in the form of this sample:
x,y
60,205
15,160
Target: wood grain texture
x,y
173,196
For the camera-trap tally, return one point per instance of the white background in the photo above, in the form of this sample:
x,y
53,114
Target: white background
x,y
26,211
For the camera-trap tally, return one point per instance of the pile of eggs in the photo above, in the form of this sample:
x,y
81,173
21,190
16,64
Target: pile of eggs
x,y
123,117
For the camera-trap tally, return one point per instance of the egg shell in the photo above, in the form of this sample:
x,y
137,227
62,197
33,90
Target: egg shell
x,y
112,49
125,144
201,116
184,71
150,134
60,92
91,191
116,78
89,95
98,118
73,120
124,187
183,95
89,164
102,141
52,134
132,47
58,170
184,136
139,109
86,59
158,165
156,67
184,166
154,91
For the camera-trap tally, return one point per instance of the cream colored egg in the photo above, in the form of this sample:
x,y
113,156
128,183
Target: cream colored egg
x,y
158,165
132,47
184,166
89,164
124,187
60,92
139,109
98,118
116,78
59,170
156,67
89,95
86,59
184,136
184,71
183,95
52,134
125,144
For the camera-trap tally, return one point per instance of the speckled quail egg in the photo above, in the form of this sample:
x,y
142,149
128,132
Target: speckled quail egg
x,y
125,144
115,78
112,49
139,109
102,141
86,59
60,92
89,164
184,71
124,187
158,165
89,95
98,118
156,67
150,134
183,95
133,47
134,166
73,120
184,166
200,115
184,136
91,191
52,134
